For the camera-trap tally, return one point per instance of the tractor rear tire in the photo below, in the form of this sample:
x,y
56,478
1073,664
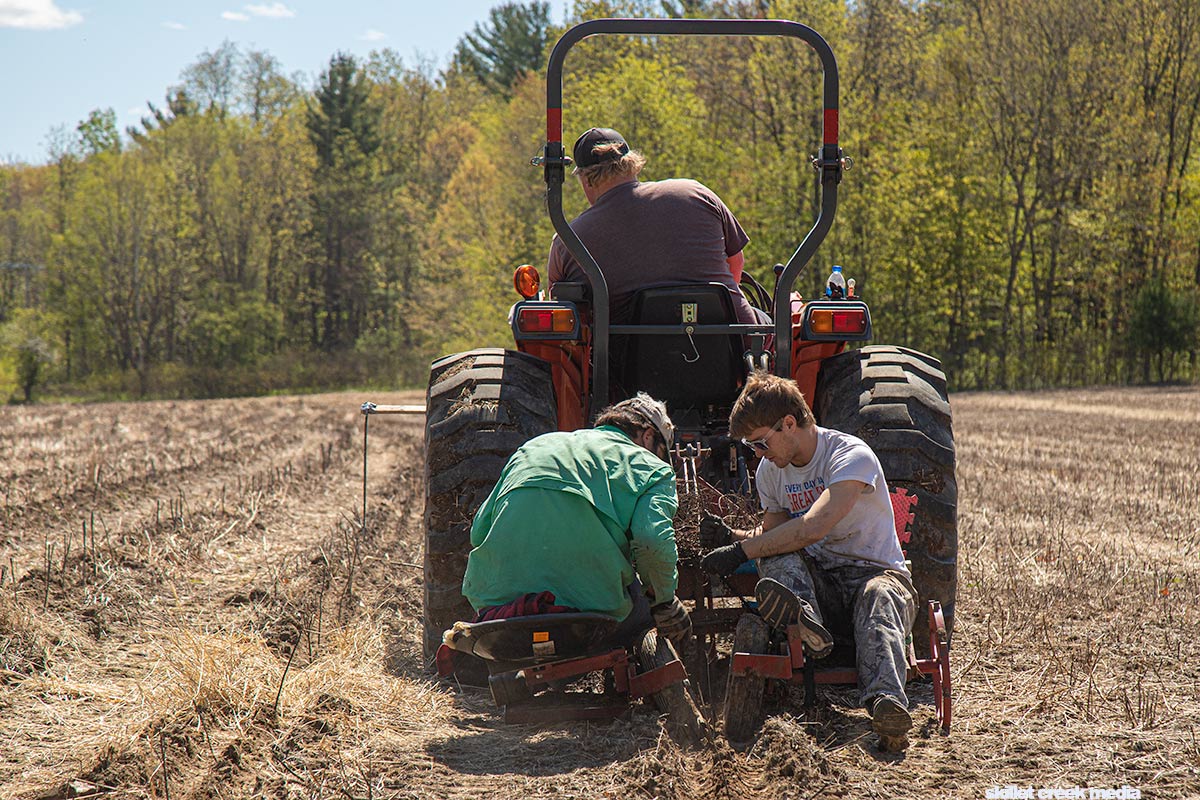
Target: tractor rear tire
x,y
481,406
685,723
895,400
744,693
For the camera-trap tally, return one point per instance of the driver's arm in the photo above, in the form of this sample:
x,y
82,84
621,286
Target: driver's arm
x,y
737,263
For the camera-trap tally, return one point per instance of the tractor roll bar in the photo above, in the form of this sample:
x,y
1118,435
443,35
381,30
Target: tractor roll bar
x,y
829,162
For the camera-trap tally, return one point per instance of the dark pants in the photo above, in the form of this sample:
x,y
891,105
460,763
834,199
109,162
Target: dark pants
x,y
629,631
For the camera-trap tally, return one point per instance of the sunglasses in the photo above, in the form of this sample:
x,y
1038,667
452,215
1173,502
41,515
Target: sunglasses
x,y
761,445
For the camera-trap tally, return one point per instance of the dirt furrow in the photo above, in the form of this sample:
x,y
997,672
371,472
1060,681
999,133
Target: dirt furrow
x,y
259,638
221,559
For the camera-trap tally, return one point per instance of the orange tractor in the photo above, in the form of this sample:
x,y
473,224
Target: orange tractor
x,y
685,346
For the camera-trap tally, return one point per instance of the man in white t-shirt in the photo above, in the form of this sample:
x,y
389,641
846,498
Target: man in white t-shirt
x,y
827,553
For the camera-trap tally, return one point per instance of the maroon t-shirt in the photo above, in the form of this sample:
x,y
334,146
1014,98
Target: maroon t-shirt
x,y
653,234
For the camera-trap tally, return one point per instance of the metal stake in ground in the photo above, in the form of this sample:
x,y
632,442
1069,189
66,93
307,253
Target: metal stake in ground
x,y
367,410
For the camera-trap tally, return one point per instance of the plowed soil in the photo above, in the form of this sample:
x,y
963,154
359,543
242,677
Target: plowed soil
x,y
193,606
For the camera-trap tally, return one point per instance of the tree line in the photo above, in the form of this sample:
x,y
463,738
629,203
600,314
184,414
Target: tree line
x,y
1024,201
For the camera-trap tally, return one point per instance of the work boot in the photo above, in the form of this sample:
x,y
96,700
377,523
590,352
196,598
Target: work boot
x,y
780,607
891,720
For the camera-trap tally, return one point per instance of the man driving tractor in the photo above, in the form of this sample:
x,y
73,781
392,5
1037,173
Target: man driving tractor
x,y
648,233
573,515
827,554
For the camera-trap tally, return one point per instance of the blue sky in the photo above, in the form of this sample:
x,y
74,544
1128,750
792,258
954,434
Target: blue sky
x,y
62,58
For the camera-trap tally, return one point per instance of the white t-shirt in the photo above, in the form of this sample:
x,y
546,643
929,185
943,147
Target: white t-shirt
x,y
864,537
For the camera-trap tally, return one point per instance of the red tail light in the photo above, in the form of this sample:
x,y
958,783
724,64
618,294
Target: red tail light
x,y
850,321
546,320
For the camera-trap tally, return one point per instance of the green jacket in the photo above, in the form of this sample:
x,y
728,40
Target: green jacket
x,y
572,514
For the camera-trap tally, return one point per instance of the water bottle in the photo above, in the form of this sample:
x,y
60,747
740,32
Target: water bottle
x,y
836,286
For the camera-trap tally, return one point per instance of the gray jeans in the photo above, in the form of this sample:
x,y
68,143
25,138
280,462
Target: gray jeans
x,y
873,605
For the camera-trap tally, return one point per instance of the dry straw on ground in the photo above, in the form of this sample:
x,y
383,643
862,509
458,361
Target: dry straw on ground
x,y
224,541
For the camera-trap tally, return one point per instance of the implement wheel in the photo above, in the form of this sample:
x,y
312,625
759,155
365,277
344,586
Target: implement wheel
x,y
895,400
685,723
744,693
481,406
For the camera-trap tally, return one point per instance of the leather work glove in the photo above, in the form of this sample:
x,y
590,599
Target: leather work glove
x,y
724,561
672,621
714,532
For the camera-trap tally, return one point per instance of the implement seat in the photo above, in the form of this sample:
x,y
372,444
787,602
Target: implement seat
x,y
532,639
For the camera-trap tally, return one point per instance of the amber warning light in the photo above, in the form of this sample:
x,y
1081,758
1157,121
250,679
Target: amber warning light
x,y
527,281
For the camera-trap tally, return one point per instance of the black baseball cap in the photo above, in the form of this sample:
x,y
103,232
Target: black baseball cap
x,y
592,138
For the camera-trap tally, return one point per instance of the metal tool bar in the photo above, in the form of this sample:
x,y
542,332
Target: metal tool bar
x,y
376,408
682,330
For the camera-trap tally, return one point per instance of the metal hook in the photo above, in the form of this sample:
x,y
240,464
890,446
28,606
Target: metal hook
x,y
689,330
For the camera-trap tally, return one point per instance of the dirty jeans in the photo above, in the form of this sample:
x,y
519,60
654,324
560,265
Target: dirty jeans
x,y
878,606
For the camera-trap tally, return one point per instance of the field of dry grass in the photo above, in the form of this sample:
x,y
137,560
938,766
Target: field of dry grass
x,y
190,606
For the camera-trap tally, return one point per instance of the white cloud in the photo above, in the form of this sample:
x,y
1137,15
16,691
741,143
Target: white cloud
x,y
36,15
274,11
271,11
175,26
373,35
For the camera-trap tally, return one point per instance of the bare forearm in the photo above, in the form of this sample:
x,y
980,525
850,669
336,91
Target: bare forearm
x,y
788,537
782,534
742,535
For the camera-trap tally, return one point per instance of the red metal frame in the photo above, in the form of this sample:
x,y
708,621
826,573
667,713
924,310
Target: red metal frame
x,y
939,663
655,680
444,660
629,685
570,372
571,365
789,664
542,674
808,356
626,678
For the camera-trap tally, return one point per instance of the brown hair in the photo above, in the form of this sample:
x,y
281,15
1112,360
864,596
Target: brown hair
x,y
629,165
764,401
638,413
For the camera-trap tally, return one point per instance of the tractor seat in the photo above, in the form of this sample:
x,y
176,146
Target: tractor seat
x,y
533,639
686,372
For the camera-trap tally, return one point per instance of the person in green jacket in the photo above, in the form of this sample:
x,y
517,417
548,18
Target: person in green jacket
x,y
577,513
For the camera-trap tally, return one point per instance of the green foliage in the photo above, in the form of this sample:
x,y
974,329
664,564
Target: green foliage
x,y
1163,323
234,335
343,121
211,82
26,351
510,44
653,103
98,133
